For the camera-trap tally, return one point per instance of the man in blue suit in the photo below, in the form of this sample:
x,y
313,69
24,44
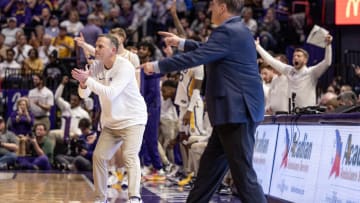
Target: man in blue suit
x,y
234,98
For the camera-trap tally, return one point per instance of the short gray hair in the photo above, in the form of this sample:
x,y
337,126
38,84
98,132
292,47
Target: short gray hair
x,y
233,6
113,40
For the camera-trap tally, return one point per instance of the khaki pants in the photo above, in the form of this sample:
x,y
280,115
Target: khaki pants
x,y
129,139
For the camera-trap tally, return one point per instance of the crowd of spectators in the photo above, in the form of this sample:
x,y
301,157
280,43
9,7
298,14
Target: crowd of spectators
x,y
38,51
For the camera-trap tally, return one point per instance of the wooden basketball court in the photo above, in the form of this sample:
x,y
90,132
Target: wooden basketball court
x,y
45,188
38,187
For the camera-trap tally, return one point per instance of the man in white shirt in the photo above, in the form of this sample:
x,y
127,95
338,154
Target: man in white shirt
x,y
10,32
302,79
41,100
120,35
71,111
267,74
22,49
9,66
46,49
278,98
89,51
123,115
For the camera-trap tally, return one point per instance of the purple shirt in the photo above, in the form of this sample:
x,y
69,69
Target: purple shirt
x,y
23,126
90,33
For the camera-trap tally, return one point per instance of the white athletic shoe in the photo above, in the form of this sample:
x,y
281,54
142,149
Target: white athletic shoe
x,y
135,200
112,180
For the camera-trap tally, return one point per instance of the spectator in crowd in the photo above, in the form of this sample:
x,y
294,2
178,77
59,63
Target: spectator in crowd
x,y
22,49
329,99
331,88
248,20
302,80
9,66
64,43
71,112
54,70
99,13
356,79
22,119
269,30
41,100
21,123
159,16
10,32
46,49
43,19
40,150
89,33
278,97
347,98
53,28
126,13
82,148
72,24
36,38
114,19
41,10
74,5
345,88
22,13
3,47
199,22
33,64
8,146
142,13
267,74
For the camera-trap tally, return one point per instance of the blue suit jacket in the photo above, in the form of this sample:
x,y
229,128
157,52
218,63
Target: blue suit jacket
x,y
234,92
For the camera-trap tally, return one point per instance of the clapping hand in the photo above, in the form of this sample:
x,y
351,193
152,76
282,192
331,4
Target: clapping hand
x,y
80,75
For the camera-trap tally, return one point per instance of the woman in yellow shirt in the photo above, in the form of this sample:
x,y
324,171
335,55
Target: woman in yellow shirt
x,y
33,64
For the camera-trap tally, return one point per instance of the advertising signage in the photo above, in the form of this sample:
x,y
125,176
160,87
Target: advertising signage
x,y
347,12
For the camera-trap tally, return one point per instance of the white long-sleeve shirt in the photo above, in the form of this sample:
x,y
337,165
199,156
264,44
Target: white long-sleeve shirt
x,y
121,102
278,94
303,81
76,113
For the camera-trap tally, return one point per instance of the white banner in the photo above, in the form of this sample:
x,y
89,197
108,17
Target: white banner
x,y
296,164
339,173
265,141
